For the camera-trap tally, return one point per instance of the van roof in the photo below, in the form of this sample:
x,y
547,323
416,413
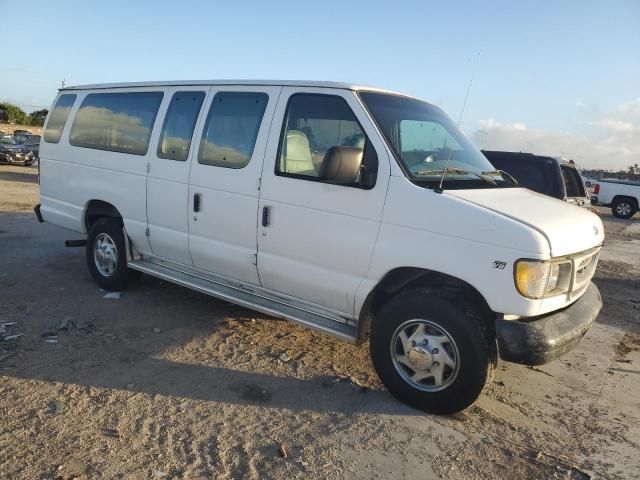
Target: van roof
x,y
176,83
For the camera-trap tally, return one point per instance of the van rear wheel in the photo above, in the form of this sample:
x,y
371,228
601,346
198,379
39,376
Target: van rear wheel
x,y
106,255
432,353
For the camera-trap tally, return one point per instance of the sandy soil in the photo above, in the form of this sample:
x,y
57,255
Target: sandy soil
x,y
6,128
168,383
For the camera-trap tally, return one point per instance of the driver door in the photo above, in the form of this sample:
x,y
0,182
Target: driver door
x,y
316,238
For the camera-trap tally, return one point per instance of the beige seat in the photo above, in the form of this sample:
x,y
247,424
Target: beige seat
x,y
297,154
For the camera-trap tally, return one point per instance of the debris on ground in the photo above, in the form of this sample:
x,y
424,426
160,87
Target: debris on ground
x,y
110,432
68,324
9,331
51,339
540,371
157,330
114,295
284,357
55,407
282,451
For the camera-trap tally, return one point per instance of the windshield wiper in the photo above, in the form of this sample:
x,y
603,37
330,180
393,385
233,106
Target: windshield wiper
x,y
459,171
504,174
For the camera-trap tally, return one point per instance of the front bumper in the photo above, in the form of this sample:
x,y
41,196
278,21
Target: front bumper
x,y
542,339
13,157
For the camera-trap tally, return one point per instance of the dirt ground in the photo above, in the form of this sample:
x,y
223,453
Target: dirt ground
x,y
167,383
7,128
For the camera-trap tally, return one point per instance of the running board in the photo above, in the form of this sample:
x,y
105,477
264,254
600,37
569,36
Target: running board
x,y
261,303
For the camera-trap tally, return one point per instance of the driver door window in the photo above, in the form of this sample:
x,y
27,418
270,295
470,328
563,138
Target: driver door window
x,y
313,125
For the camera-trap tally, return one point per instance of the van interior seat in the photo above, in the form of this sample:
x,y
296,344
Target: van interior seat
x,y
341,165
297,153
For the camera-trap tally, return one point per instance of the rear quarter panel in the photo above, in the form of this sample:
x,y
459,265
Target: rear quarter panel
x,y
70,177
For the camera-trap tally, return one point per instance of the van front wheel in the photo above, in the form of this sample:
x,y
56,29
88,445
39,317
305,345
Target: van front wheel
x,y
106,255
430,352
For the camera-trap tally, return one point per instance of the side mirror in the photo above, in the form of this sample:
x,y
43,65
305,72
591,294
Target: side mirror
x,y
369,167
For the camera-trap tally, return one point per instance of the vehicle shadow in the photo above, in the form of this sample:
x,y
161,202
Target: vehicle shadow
x,y
22,177
620,301
47,283
224,385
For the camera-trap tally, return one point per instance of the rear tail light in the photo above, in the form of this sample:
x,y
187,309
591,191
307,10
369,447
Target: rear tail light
x,y
596,189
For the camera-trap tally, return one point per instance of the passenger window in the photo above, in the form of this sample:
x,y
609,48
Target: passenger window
x,y
58,118
119,122
179,122
322,140
573,183
231,129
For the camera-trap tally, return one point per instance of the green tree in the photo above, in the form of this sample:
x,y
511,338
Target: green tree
x,y
37,118
13,114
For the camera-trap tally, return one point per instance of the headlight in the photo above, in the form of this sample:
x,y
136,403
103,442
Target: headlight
x,y
542,278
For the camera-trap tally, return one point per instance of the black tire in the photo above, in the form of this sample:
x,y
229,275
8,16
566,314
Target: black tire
x,y
462,322
116,280
624,207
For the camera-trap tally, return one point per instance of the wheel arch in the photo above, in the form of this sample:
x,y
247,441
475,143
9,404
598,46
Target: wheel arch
x,y
404,278
625,197
96,209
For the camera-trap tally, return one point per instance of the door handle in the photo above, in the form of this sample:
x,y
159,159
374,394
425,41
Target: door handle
x,y
196,202
265,216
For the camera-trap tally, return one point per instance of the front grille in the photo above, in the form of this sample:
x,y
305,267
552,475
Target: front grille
x,y
584,266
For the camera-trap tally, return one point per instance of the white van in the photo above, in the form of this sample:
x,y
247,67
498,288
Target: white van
x,y
356,211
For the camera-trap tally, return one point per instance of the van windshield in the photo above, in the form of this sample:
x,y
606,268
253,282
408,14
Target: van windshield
x,y
426,142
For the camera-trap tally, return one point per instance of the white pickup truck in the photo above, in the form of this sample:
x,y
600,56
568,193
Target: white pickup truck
x,y
623,196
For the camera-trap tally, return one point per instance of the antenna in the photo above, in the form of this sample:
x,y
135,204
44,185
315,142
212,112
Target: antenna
x,y
455,136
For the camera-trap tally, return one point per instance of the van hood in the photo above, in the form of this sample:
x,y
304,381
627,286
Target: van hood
x,y
568,228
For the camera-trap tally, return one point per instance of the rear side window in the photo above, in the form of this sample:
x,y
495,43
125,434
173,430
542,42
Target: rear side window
x,y
179,122
314,124
572,182
539,174
58,118
118,122
231,129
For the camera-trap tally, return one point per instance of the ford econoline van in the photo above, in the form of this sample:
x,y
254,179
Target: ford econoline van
x,y
356,211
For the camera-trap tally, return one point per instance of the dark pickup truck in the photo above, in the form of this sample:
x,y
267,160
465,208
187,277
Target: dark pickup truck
x,y
547,175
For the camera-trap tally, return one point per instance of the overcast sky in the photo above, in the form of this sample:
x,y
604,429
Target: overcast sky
x,y
557,77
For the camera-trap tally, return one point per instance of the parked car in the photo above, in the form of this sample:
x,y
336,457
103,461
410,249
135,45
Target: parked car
x,y
31,148
11,151
351,210
547,175
24,133
623,196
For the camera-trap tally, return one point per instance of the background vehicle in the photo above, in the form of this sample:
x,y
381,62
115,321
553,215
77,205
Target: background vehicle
x,y
351,210
623,196
547,175
11,151
31,149
24,133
